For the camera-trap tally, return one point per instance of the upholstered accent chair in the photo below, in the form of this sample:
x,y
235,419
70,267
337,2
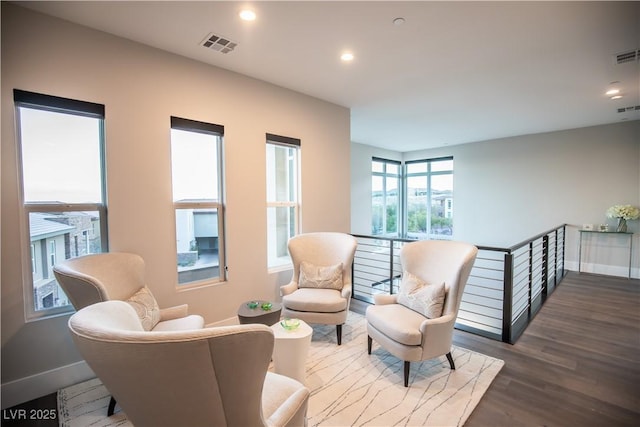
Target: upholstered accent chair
x,y
120,276
417,323
201,377
320,288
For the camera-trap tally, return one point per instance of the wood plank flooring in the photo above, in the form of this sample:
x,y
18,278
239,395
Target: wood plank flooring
x,y
577,363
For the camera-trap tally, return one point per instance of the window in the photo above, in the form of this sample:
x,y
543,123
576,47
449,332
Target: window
x,y
33,259
385,200
196,166
61,146
52,252
283,206
429,190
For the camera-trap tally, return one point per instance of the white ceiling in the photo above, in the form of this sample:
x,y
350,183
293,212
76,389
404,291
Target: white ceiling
x,y
453,73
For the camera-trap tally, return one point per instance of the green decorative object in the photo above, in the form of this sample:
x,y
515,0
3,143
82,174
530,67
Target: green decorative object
x,y
252,304
266,306
290,324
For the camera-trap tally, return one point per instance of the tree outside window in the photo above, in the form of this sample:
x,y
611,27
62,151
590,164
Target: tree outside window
x,y
429,189
416,204
386,196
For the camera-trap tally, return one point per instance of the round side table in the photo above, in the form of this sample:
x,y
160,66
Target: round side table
x,y
290,350
258,314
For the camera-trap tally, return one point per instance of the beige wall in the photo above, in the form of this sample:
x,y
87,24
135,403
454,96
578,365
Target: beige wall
x,y
141,87
508,190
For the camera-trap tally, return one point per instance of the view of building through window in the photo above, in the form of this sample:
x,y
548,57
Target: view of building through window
x,y
197,188
61,151
385,202
424,207
282,197
58,236
429,185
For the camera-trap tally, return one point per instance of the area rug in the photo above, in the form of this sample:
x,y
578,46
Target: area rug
x,y
348,386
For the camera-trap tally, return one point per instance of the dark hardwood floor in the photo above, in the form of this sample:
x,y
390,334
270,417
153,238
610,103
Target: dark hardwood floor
x,y
577,364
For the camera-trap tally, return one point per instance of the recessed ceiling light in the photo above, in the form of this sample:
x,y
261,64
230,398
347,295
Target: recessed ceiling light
x,y
347,56
616,97
398,21
248,15
612,92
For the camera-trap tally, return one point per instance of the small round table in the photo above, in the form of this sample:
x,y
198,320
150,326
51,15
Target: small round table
x,y
290,350
258,314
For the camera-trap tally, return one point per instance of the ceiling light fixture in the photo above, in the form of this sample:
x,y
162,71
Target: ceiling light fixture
x,y
612,92
347,56
398,21
616,97
248,15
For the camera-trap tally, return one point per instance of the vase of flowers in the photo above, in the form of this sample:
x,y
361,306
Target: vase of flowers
x,y
623,213
622,225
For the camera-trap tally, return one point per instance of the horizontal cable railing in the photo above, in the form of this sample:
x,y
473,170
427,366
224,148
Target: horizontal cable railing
x,y
506,287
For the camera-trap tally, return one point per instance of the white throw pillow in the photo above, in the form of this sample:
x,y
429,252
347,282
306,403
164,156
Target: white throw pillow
x,y
420,296
146,307
313,276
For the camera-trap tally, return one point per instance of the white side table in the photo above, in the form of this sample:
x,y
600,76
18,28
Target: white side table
x,y
290,350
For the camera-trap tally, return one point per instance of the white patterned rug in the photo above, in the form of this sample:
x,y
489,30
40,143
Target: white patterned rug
x,y
348,386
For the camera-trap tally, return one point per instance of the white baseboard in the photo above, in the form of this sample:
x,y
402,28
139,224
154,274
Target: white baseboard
x,y
38,385
606,270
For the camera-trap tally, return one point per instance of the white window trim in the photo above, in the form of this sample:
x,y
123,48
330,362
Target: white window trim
x,y
427,174
293,143
400,218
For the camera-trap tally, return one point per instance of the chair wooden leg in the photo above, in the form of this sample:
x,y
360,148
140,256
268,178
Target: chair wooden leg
x,y
112,407
406,373
339,333
450,359
369,343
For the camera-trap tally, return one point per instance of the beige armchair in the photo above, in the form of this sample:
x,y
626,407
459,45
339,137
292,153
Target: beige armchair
x,y
204,377
417,323
119,276
321,286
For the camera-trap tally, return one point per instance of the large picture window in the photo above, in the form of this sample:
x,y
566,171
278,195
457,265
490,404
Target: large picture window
x,y
61,146
283,206
385,197
196,166
414,200
429,194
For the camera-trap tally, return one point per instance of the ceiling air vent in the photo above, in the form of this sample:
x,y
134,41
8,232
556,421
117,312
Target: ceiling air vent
x,y
218,43
624,57
632,108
